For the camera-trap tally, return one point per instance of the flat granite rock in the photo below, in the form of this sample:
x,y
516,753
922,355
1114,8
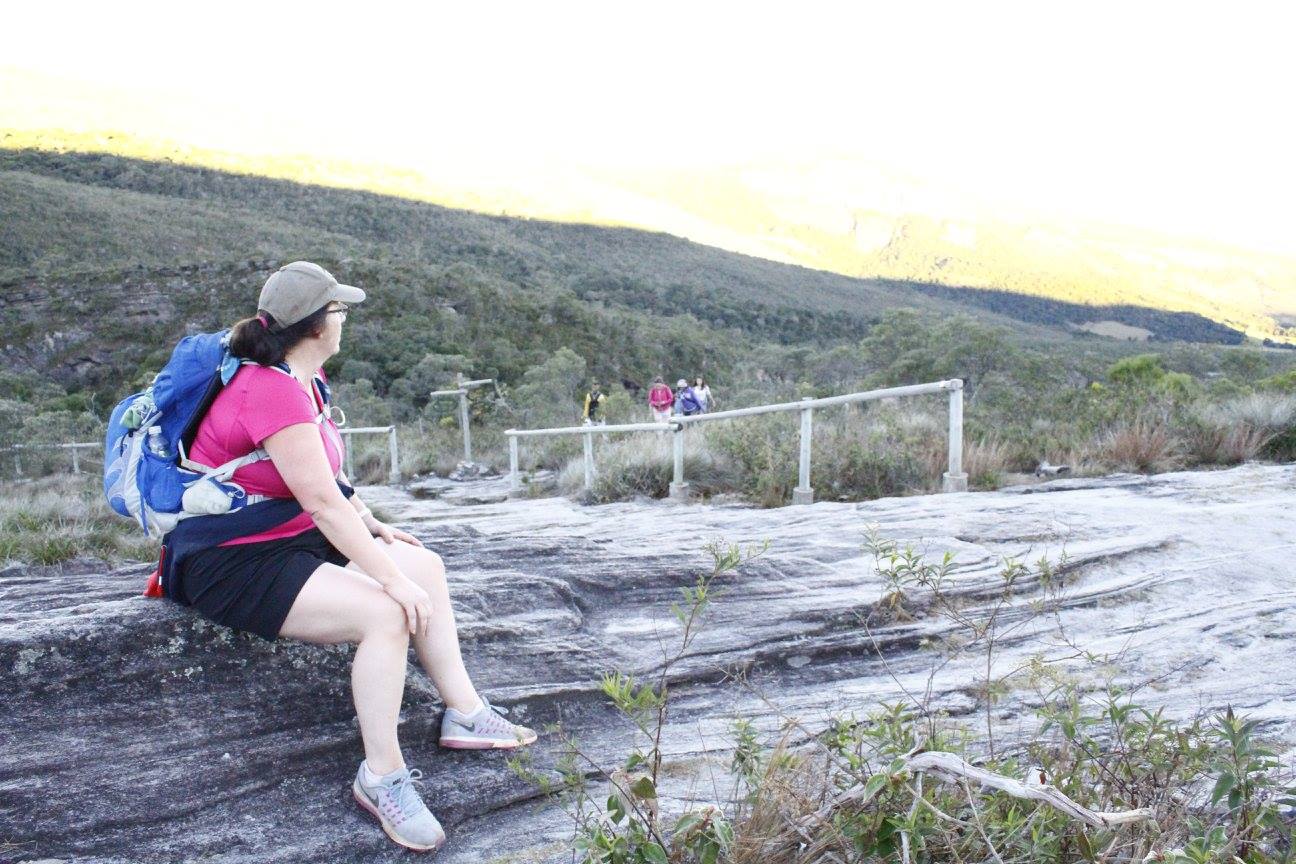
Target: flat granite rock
x,y
137,732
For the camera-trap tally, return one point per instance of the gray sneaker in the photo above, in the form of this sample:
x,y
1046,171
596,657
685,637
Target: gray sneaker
x,y
485,730
401,810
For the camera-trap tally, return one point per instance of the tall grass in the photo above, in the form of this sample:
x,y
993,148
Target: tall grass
x,y
1265,423
54,519
643,464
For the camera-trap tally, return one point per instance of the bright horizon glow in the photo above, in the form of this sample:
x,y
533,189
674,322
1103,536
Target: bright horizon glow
x,y
1157,115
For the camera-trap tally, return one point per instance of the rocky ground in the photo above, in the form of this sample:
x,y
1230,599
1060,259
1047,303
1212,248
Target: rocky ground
x,y
136,732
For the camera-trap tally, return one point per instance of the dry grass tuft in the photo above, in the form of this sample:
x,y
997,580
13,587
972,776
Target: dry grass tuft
x,y
791,788
1143,446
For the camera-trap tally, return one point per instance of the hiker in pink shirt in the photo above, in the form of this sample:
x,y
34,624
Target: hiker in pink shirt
x,y
660,400
333,573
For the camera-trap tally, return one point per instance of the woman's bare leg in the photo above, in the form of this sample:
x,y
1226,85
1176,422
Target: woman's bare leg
x,y
340,605
438,651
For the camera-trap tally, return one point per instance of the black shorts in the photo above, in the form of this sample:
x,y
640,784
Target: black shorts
x,y
251,586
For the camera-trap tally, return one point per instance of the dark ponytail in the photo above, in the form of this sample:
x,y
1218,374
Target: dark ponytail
x,y
261,339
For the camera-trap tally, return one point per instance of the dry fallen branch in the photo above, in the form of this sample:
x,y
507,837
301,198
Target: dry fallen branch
x,y
952,769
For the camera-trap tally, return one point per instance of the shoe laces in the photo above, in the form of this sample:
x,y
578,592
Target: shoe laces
x,y
494,722
405,795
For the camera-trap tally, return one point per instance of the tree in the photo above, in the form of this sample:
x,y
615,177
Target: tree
x,y
550,393
409,393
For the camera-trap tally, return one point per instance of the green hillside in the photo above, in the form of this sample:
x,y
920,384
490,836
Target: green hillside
x,y
77,210
106,261
235,215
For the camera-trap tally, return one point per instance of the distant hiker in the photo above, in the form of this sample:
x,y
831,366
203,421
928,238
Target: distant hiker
x,y
703,394
594,399
309,561
660,400
686,401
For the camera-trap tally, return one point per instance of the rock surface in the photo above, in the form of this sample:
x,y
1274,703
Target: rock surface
x,y
138,733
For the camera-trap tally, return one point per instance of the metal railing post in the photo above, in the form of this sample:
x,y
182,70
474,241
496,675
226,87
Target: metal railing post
x,y
350,461
955,480
804,493
394,475
678,487
515,476
76,461
463,417
589,461
462,386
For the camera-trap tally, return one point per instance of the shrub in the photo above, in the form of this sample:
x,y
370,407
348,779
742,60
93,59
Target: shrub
x,y
1144,446
763,452
1140,370
1221,435
1284,382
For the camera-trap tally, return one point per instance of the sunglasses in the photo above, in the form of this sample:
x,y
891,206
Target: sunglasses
x,y
340,309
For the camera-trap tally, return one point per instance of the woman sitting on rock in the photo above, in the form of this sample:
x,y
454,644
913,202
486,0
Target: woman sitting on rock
x,y
331,572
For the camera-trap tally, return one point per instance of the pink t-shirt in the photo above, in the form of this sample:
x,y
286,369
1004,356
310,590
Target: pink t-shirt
x,y
258,402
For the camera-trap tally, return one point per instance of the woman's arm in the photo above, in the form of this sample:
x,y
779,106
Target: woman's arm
x,y
299,457
376,526
356,504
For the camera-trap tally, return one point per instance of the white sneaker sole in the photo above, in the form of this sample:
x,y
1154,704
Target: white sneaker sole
x,y
486,743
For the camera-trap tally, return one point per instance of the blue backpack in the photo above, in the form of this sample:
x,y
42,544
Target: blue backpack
x,y
689,403
148,476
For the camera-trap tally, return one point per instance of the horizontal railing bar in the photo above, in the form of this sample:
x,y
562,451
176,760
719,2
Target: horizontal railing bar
x,y
82,445
462,389
590,430
77,446
825,402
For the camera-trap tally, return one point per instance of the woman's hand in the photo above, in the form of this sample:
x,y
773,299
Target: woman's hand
x,y
387,533
415,601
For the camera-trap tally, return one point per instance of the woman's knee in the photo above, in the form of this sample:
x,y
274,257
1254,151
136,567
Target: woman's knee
x,y
430,562
384,620
426,568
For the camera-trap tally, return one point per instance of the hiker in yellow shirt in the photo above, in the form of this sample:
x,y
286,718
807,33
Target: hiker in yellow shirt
x,y
594,399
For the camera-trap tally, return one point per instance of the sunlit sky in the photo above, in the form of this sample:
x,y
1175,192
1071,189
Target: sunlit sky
x,y
1167,115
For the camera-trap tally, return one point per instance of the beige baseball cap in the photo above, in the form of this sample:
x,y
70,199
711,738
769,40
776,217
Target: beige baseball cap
x,y
296,290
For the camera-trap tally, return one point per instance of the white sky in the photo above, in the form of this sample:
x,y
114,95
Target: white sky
x,y
1170,115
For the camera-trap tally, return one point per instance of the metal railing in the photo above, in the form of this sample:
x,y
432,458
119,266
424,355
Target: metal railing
x,y
393,450
515,476
954,480
394,474
461,390
74,447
